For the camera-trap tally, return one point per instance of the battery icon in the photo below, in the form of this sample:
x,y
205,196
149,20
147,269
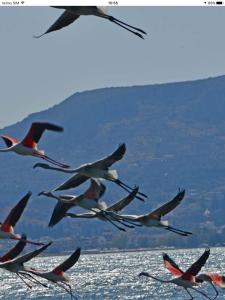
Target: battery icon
x,y
219,2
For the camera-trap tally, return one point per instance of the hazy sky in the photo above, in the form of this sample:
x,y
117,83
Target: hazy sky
x,y
182,44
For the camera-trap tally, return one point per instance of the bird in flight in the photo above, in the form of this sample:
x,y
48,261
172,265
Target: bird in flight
x,y
187,279
28,146
72,13
97,169
212,278
87,200
57,275
7,227
153,219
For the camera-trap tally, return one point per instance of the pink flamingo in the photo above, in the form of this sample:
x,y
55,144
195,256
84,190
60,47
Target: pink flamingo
x,y
187,279
7,227
212,278
28,146
57,275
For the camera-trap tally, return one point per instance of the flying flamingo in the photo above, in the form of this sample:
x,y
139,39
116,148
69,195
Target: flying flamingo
x,y
16,265
212,278
110,213
7,227
57,275
15,251
87,200
187,279
153,219
72,13
97,169
28,146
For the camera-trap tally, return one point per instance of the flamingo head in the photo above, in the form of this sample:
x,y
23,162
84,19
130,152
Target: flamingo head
x,y
41,165
143,274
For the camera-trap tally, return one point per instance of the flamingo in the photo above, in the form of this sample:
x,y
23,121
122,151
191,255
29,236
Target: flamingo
x,y
97,169
28,146
72,13
7,227
187,279
110,213
16,265
57,275
87,200
212,278
153,219
15,251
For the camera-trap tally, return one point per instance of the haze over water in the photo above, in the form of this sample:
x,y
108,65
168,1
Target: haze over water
x,y
114,276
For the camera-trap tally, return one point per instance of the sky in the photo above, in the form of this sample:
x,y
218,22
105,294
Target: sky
x,y
183,43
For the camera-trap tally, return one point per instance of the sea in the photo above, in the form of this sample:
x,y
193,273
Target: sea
x,y
115,276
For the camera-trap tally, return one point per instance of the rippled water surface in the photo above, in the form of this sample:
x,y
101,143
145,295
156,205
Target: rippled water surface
x,y
114,276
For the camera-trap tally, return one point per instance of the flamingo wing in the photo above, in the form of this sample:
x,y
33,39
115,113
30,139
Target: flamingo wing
x,y
167,207
68,263
32,254
196,267
15,213
106,162
95,191
217,279
118,206
35,132
9,141
171,266
15,251
72,182
59,212
64,20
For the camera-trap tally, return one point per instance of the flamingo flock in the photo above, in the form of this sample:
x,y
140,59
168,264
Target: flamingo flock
x,y
90,200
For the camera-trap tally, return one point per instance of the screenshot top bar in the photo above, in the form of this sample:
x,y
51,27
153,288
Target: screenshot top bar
x,y
112,3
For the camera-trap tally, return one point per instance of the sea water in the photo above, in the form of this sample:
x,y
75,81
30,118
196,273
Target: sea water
x,y
115,276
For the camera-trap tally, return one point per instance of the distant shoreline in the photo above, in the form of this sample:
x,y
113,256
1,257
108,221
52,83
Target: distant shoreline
x,y
112,251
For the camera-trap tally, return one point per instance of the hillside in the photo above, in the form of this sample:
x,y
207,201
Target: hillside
x,y
175,137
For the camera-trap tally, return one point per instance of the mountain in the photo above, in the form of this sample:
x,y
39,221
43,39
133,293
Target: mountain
x,y
175,137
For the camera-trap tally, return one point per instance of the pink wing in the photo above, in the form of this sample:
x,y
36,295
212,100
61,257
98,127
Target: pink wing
x,y
9,141
95,191
35,132
171,266
217,279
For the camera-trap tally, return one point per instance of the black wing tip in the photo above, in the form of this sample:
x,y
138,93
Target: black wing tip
x,y
122,145
165,255
78,250
51,224
29,193
49,243
181,191
56,127
26,197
